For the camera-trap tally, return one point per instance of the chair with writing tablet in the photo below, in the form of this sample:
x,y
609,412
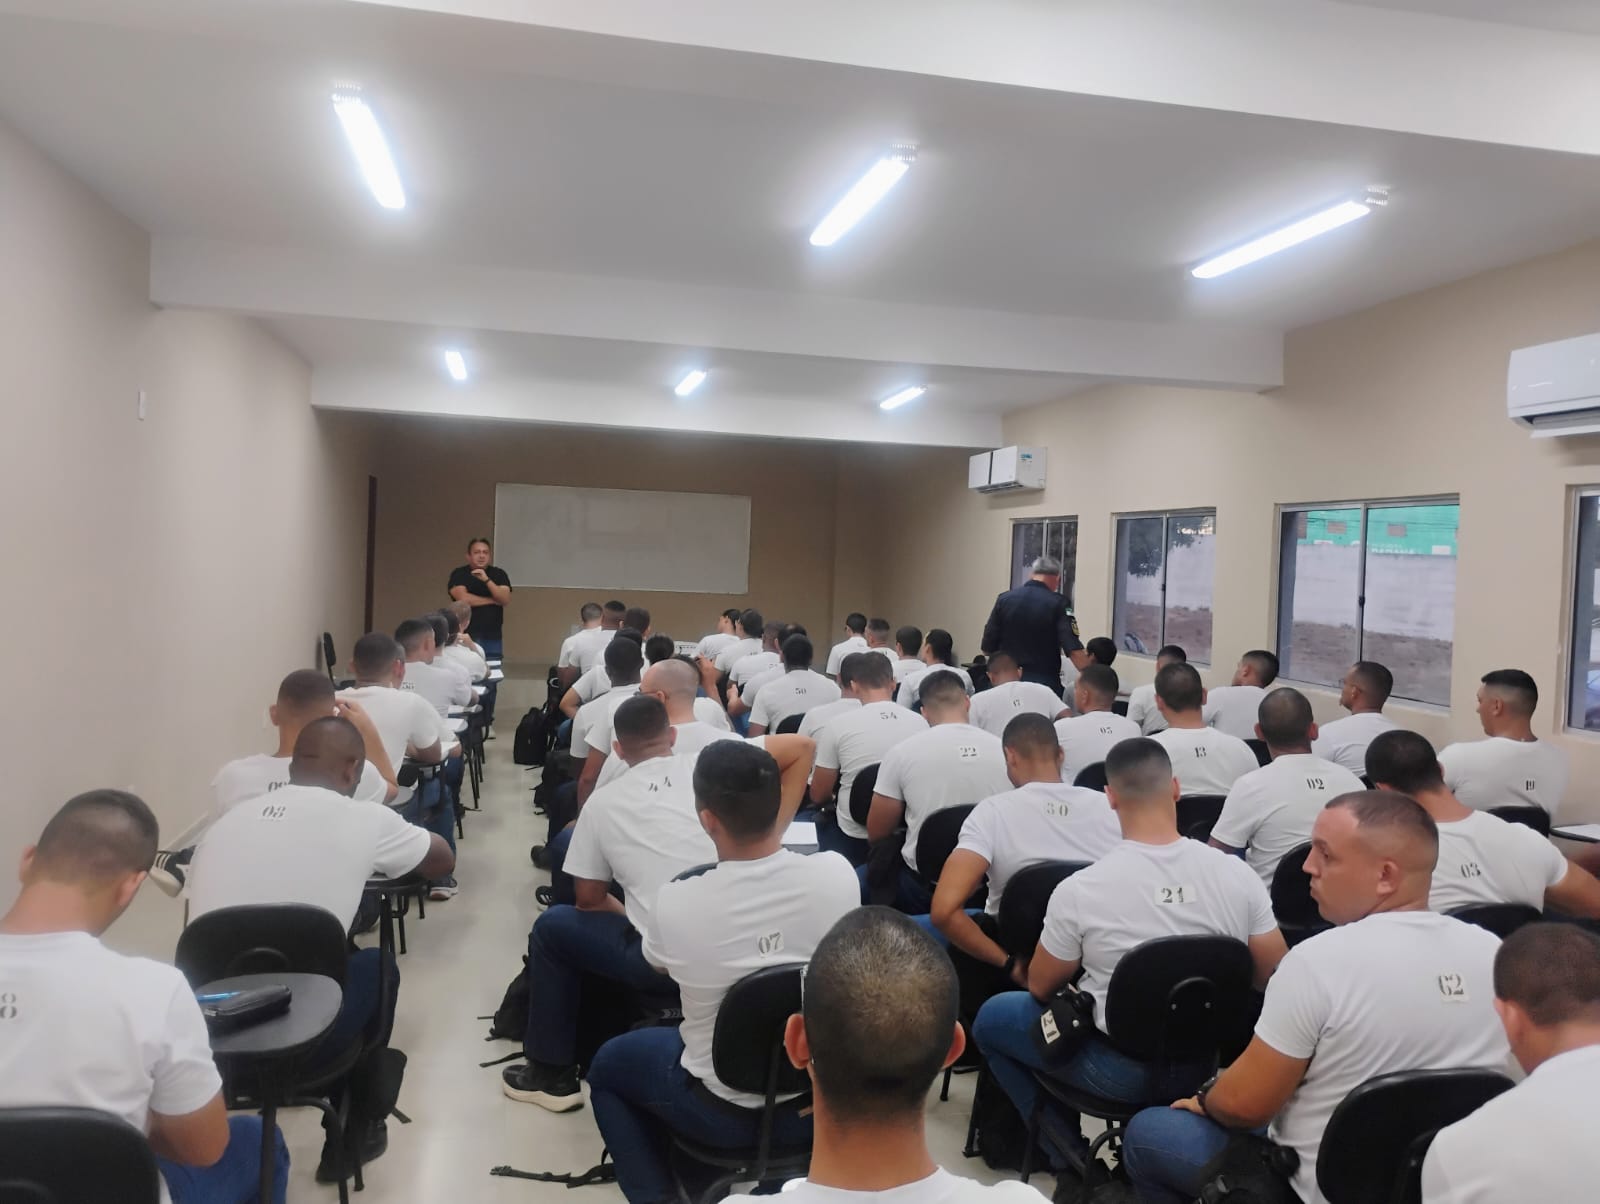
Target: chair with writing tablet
x,y
1502,919
1262,752
1378,1136
1092,777
1292,904
1536,818
70,1155
1198,814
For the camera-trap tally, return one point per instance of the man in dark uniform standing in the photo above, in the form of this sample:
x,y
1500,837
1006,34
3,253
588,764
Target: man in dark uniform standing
x,y
487,589
1035,625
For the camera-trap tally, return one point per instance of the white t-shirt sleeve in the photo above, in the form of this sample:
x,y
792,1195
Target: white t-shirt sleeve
x,y
585,857
1063,927
398,847
1553,863
569,653
1239,819
1436,1185
184,1078
761,712
1295,1010
1262,919
426,725
372,788
890,770
828,748
1450,762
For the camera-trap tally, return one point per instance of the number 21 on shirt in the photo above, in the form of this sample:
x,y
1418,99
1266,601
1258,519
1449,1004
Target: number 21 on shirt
x,y
1175,894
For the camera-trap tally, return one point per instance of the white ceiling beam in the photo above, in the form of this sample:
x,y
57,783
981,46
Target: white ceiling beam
x,y
279,281
1313,60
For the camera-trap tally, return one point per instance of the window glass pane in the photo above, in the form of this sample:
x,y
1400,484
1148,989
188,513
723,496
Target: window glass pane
x,y
1319,590
1027,545
1191,569
1136,605
1061,541
1409,619
1584,707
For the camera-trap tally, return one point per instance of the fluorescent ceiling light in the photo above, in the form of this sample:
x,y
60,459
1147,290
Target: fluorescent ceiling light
x,y
370,149
1291,235
863,195
896,400
456,364
690,383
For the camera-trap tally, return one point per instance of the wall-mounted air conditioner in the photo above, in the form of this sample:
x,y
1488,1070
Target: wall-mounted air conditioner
x,y
1554,389
1006,470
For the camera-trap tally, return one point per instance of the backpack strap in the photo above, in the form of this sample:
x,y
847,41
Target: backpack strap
x,y
605,1172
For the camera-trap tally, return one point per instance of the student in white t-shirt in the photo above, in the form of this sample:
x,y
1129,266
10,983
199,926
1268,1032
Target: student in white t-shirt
x,y
1513,767
752,672
1142,707
1205,759
852,742
674,682
1232,708
1087,736
817,718
1535,1142
441,687
624,661
457,651
1009,696
950,764
907,649
1394,987
760,906
88,1028
855,640
879,639
1363,691
725,636
938,652
751,625
794,692
1154,884
1270,810
1043,819
590,632
878,1023
1482,858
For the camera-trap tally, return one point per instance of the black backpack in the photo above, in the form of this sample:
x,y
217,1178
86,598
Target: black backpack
x,y
533,739
510,1019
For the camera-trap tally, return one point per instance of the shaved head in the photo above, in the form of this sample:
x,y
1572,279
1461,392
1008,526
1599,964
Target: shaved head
x,y
1285,718
329,753
672,678
96,839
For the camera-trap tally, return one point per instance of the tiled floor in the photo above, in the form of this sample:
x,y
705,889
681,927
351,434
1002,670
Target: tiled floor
x,y
460,960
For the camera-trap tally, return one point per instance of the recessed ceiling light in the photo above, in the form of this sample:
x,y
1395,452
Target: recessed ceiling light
x,y
1291,235
457,365
690,383
896,400
863,195
370,149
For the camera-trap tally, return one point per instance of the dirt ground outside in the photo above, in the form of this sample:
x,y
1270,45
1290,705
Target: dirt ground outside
x,y
1188,628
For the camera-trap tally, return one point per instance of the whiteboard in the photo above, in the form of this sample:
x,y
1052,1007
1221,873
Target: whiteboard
x,y
557,536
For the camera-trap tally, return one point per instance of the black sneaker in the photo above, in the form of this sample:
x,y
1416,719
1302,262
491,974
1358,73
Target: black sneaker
x,y
170,869
552,1087
544,896
373,1144
536,855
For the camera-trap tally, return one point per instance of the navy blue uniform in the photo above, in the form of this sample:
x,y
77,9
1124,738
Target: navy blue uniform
x,y
1035,625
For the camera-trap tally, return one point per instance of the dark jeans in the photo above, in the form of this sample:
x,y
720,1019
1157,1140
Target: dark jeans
x,y
363,1012
235,1178
432,805
564,945
912,896
830,839
641,1094
1165,1149
492,649
562,887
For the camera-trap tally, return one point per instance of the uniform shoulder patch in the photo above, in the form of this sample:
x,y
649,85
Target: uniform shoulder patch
x,y
1073,619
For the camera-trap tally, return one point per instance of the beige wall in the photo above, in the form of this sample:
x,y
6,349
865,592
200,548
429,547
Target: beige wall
x,y
163,574
1405,399
437,486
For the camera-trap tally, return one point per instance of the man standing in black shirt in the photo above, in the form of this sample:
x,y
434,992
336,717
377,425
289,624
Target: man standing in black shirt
x,y
1035,625
487,590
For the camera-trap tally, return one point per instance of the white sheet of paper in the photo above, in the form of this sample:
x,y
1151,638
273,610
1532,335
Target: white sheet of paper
x,y
496,675
800,833
1589,832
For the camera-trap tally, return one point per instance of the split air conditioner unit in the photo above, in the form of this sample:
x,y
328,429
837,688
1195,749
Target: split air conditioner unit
x,y
1554,389
1007,470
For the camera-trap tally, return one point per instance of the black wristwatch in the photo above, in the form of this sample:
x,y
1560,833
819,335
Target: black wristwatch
x,y
1205,1088
1011,961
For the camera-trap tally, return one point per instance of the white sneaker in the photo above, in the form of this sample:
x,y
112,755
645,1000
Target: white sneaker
x,y
170,870
444,889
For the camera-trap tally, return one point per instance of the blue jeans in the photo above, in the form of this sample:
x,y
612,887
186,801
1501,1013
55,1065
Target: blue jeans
x,y
912,896
562,886
235,1178
362,1012
564,945
563,735
927,925
432,807
493,650
1165,1149
641,1094
1004,1033
832,839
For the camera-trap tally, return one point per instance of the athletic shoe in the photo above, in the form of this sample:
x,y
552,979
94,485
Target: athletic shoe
x,y
171,869
552,1087
443,889
537,856
544,896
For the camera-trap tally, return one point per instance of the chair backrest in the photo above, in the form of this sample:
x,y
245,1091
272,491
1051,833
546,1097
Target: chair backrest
x,y
263,938
1536,818
936,839
72,1155
789,724
1502,919
747,1042
1092,777
694,871
861,793
1197,815
1180,998
1120,707
1373,1147
1291,891
329,660
1023,904
1262,752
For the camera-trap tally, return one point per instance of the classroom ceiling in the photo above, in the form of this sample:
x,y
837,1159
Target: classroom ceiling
x,y
601,196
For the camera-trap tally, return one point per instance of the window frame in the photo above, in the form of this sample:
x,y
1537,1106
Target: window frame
x,y
1166,516
1044,521
1572,715
1285,621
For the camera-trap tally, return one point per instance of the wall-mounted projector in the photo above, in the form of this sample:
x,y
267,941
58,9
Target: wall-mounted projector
x,y
1006,470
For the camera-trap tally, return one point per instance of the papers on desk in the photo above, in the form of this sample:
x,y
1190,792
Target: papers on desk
x,y
496,675
494,664
458,725
800,836
1589,833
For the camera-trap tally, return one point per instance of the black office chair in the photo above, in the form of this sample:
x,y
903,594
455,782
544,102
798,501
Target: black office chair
x,y
1502,919
1198,814
1092,777
1173,1001
1120,707
747,1055
329,660
861,794
1262,752
789,724
1376,1139
74,1156
263,938
937,838
1023,904
1292,903
1536,818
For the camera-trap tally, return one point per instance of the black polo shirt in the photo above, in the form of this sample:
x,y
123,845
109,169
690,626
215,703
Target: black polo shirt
x,y
486,620
1035,625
